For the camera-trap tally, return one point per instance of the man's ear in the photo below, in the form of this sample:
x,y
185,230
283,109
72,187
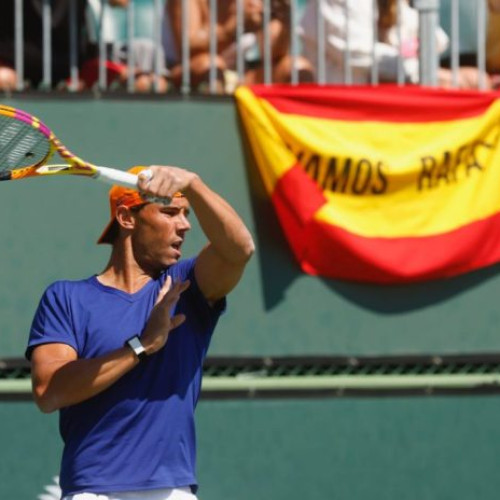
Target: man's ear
x,y
125,217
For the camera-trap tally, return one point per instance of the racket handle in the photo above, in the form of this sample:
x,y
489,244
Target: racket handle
x,y
114,176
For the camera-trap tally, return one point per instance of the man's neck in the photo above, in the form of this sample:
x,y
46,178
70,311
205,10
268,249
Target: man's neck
x,y
125,280
123,272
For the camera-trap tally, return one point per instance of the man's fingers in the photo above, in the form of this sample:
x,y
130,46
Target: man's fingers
x,y
172,294
145,175
183,286
143,179
160,183
165,181
164,289
177,320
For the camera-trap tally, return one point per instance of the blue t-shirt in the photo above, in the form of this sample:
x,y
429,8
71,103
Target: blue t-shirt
x,y
139,433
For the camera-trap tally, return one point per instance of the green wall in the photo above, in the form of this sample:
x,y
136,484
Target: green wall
x,y
422,448
382,448
49,228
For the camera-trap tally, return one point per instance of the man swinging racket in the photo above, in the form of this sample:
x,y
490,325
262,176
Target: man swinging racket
x,y
120,354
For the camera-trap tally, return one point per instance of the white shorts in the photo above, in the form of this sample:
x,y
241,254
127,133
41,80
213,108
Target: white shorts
x,y
162,494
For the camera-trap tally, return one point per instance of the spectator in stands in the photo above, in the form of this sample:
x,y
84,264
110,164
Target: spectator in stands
x,y
282,60
142,50
33,51
360,31
60,52
493,41
225,60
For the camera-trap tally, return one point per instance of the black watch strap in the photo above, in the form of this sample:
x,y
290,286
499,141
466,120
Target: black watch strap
x,y
135,344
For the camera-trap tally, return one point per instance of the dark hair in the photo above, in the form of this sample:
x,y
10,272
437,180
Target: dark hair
x,y
387,16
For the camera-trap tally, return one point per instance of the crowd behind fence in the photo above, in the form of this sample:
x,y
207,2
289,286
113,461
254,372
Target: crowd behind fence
x,y
211,46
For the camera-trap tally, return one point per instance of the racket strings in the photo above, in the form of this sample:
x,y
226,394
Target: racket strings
x,y
20,144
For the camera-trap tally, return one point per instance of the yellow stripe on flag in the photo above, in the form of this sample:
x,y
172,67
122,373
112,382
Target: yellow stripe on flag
x,y
268,147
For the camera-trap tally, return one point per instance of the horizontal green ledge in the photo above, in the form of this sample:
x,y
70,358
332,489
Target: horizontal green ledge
x,y
350,382
249,383
20,386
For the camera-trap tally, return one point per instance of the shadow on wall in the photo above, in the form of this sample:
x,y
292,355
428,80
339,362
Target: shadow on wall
x,y
279,269
394,299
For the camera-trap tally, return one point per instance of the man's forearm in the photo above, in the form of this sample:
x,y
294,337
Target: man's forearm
x,y
221,224
77,380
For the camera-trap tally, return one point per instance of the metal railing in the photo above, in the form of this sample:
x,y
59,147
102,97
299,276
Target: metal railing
x,y
428,11
317,377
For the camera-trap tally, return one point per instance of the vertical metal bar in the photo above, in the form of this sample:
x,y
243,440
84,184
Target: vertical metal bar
x,y
240,60
374,71
213,46
185,49
73,47
401,70
320,43
294,43
455,42
157,41
266,21
47,44
130,52
434,53
19,45
481,43
347,52
428,12
102,47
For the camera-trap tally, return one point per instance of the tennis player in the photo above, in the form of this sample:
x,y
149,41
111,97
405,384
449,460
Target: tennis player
x,y
120,354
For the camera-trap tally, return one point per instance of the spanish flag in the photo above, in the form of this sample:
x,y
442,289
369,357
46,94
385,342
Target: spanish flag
x,y
380,184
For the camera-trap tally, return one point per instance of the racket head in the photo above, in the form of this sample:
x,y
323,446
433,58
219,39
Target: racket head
x,y
27,144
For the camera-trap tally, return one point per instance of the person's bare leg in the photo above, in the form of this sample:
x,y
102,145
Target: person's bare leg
x,y
200,73
468,78
282,69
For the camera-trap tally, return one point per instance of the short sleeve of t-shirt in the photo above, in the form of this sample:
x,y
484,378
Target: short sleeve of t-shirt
x,y
52,322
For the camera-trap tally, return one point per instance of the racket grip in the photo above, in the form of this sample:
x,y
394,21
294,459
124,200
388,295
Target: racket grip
x,y
114,176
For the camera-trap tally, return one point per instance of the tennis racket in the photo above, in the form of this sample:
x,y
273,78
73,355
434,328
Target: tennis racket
x,y
27,145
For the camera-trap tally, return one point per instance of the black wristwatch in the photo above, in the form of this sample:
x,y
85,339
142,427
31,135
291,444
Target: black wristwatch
x,y
135,344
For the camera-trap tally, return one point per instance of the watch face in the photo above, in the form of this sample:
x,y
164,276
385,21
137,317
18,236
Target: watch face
x,y
135,344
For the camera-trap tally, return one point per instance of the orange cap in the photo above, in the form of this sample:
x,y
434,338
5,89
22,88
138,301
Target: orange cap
x,y
121,196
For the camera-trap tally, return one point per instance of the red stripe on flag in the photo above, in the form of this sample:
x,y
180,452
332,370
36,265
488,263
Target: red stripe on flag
x,y
336,253
296,198
389,103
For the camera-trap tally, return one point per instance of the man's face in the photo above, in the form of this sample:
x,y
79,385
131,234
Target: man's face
x,y
159,233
